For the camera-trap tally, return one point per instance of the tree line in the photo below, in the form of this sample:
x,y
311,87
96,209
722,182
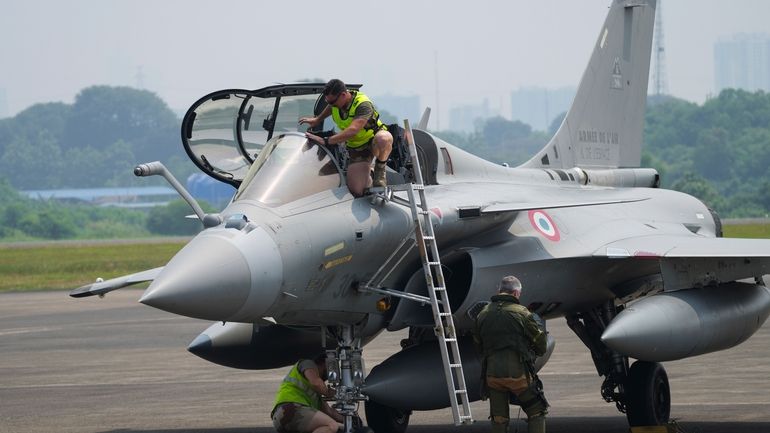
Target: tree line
x,y
94,142
718,151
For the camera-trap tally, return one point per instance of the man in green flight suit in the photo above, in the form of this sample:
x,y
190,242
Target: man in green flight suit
x,y
362,131
509,339
299,407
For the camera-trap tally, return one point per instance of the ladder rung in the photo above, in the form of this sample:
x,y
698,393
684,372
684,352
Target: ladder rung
x,y
429,238
468,417
450,339
418,186
423,212
444,314
434,263
455,365
460,391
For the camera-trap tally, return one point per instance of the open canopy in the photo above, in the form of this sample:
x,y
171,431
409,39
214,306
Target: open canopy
x,y
223,132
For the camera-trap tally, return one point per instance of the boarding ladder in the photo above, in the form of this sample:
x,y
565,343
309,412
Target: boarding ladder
x,y
425,239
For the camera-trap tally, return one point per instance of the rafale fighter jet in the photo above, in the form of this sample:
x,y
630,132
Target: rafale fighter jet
x,y
294,263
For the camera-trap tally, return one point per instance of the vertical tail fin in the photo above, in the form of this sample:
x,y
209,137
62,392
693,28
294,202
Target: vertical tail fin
x,y
604,125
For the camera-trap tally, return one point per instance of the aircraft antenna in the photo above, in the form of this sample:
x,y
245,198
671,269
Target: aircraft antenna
x,y
659,53
435,76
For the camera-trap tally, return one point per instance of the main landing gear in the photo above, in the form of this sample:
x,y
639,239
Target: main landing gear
x,y
641,391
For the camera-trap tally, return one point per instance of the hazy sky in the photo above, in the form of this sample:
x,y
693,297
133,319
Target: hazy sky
x,y
469,50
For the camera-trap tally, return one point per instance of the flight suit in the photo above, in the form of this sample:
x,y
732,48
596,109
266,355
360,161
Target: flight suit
x,y
508,338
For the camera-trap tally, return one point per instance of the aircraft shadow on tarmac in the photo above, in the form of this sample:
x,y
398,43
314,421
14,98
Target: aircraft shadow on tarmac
x,y
555,425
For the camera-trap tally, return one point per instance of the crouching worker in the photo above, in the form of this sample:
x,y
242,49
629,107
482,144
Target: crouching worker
x,y
509,339
366,137
299,407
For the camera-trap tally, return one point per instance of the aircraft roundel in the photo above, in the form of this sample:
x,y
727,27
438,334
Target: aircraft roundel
x,y
543,223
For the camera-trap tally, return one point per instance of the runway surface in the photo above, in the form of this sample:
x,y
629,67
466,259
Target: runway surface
x,y
113,365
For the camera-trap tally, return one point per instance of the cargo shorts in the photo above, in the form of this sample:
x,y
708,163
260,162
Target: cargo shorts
x,y
361,154
292,418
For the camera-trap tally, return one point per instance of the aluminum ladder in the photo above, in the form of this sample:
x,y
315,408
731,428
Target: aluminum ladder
x,y
425,239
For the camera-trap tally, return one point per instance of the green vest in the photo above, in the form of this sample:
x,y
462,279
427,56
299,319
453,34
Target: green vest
x,y
364,135
295,388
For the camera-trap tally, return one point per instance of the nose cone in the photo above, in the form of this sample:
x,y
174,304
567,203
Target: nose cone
x,y
212,277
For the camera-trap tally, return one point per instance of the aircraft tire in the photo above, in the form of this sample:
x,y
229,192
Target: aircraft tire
x,y
648,394
384,419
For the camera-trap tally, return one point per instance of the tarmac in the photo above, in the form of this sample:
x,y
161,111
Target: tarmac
x,y
114,365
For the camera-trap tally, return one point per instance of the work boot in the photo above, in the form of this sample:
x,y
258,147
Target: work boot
x,y
379,177
536,424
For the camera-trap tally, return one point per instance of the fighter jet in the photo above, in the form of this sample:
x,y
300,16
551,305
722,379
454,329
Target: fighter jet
x,y
295,264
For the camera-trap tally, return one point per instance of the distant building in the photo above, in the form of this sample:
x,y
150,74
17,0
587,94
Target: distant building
x,y
3,104
403,107
465,118
742,61
204,187
133,197
538,106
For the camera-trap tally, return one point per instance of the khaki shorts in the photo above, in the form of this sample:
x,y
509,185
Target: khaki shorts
x,y
364,152
292,418
361,154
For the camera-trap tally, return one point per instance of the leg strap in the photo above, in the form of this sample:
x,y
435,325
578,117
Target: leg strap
x,y
533,403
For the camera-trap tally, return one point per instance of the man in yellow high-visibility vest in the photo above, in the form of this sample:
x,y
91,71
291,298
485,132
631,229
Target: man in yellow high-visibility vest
x,y
362,131
299,407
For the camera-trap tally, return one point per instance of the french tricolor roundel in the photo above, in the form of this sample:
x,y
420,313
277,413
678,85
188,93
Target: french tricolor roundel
x,y
543,223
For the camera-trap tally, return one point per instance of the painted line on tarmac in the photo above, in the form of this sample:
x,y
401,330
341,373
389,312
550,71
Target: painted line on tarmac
x,y
15,331
39,329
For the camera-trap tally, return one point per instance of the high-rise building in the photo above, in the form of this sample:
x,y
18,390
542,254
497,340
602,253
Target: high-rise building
x,y
465,118
403,107
742,61
538,106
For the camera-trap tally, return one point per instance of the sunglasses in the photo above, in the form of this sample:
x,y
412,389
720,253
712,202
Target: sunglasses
x,y
331,102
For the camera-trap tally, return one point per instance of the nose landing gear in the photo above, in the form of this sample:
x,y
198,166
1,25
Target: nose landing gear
x,y
345,366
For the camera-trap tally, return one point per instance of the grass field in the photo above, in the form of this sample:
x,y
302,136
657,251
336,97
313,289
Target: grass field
x,y
67,266
761,231
70,265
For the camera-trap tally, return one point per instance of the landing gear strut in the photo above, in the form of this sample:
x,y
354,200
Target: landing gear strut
x,y
642,391
345,366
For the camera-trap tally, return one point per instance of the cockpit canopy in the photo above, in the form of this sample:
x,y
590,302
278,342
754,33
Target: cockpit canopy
x,y
288,168
224,132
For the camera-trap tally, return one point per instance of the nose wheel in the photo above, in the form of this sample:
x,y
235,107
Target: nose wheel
x,y
384,419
